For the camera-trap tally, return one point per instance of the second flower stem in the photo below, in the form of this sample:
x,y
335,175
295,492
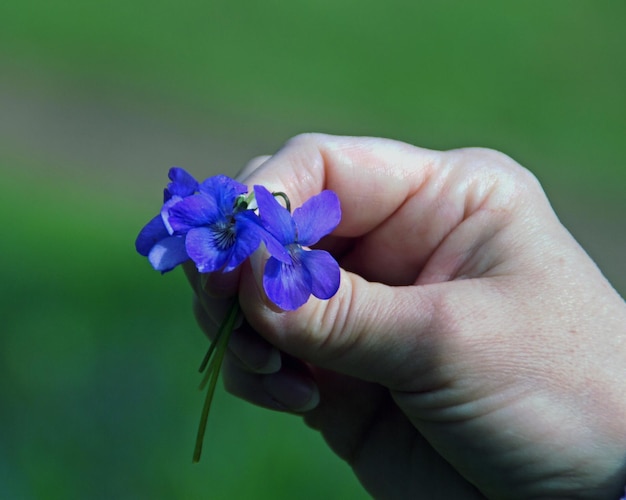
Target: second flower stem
x,y
212,362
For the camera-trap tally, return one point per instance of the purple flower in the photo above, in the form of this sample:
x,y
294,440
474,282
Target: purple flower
x,y
164,250
294,273
220,230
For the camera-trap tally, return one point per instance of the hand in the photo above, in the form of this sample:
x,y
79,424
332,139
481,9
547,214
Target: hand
x,y
473,347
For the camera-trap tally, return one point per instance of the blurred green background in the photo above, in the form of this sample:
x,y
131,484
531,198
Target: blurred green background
x,y
98,353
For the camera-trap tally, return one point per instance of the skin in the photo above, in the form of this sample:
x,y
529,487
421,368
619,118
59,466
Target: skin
x,y
473,349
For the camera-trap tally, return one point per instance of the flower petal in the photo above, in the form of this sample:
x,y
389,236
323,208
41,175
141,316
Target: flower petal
x,y
324,271
286,285
165,212
168,253
317,217
224,190
248,237
150,235
274,217
274,247
202,249
183,184
191,212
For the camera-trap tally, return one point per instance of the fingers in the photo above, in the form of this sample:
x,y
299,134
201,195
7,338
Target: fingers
x,y
400,205
415,216
292,388
254,370
252,165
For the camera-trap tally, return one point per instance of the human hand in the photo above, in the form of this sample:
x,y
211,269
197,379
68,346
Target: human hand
x,y
472,346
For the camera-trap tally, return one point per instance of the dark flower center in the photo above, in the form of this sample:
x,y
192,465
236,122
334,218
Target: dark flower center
x,y
224,233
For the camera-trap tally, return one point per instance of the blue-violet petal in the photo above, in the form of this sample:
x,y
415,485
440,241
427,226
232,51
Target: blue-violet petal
x,y
324,271
150,235
193,211
317,217
224,190
275,218
248,237
286,285
168,253
204,250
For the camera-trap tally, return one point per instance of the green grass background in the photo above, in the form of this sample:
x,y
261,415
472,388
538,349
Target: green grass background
x,y
98,353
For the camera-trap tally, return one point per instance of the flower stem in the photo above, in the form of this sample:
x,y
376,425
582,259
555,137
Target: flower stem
x,y
280,194
209,352
217,338
214,358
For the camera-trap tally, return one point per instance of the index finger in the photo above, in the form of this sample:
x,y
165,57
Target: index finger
x,y
371,176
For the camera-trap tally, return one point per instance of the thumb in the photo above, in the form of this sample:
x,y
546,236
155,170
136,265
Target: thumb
x,y
367,330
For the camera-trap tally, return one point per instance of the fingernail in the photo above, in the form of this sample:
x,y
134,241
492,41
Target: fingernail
x,y
261,362
292,391
272,363
253,351
257,261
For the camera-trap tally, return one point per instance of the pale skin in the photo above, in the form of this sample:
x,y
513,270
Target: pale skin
x,y
473,348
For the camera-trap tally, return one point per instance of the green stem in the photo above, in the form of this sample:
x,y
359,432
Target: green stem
x,y
209,352
280,194
218,347
216,340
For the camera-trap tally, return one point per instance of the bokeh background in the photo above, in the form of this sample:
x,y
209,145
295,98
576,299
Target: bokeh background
x,y
98,353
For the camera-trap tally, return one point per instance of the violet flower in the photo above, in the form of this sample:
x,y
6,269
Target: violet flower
x,y
211,224
291,277
221,232
164,250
